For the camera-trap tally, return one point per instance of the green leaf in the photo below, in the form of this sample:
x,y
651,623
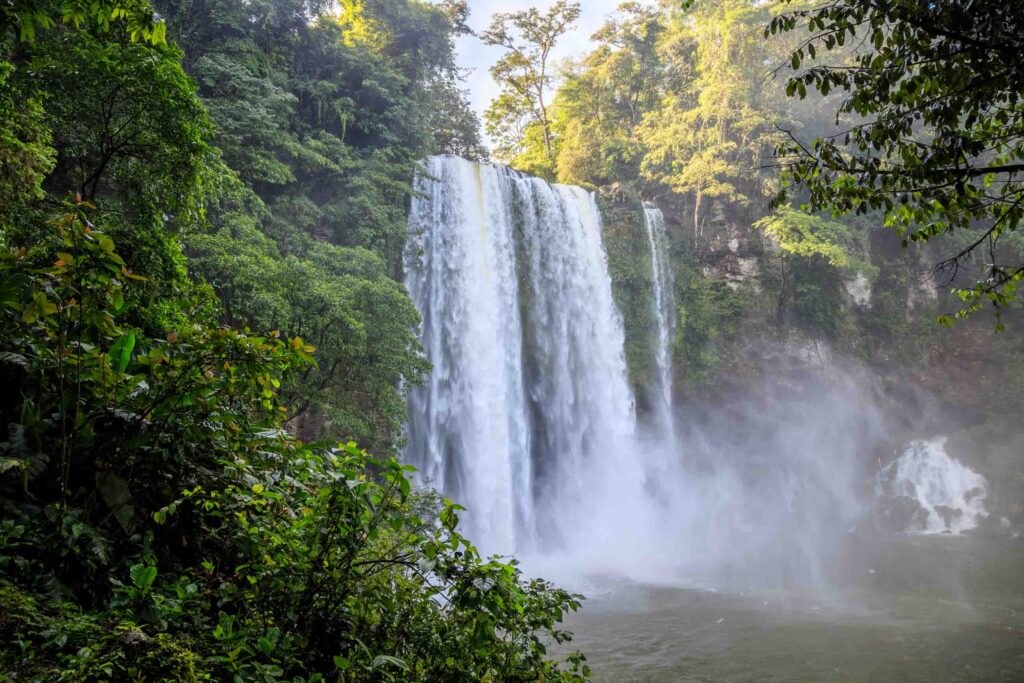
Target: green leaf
x,y
13,358
10,463
143,576
381,660
121,352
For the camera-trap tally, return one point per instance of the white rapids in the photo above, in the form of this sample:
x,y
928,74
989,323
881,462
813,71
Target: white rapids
x,y
951,495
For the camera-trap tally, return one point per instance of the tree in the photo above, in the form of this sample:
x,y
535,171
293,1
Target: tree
x,y
604,97
322,117
340,300
936,136
707,136
157,518
137,145
826,248
155,515
528,36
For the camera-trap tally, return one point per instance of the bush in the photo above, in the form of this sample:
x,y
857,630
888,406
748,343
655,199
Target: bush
x,y
158,523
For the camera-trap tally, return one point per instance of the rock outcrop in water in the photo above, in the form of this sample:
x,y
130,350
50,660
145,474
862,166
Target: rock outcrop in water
x,y
927,491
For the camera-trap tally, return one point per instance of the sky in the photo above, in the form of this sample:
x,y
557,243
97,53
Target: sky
x,y
476,56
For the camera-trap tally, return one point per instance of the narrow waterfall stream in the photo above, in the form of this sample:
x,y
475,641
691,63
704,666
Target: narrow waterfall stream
x,y
528,394
664,306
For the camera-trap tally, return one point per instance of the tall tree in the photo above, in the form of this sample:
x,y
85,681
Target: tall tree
x,y
706,138
937,140
604,97
323,117
524,72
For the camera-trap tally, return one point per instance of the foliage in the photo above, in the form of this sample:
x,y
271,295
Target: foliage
x,y
812,298
710,317
141,134
527,36
678,103
604,97
138,144
811,289
341,299
936,140
158,521
796,232
706,138
26,155
26,18
322,117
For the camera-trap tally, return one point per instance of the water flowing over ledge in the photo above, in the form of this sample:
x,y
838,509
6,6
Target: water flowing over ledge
x,y
528,418
528,400
937,493
664,305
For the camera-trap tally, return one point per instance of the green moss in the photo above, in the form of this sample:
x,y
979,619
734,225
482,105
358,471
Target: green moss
x,y
711,317
629,264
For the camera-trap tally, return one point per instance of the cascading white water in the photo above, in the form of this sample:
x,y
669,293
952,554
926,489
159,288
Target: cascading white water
x,y
527,418
528,396
468,429
664,308
949,496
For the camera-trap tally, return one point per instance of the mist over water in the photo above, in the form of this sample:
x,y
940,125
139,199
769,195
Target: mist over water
x,y
528,420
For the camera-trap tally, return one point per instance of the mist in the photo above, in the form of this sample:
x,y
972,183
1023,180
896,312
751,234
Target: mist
x,y
753,493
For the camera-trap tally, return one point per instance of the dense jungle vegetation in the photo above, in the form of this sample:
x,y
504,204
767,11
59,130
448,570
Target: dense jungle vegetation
x,y
202,218
195,203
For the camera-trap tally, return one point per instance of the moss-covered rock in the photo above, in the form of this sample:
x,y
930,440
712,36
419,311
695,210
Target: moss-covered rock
x,y
629,264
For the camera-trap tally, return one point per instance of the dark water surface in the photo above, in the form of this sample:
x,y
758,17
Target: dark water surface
x,y
912,608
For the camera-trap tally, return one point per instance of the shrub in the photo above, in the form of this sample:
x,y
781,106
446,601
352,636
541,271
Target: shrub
x,y
158,523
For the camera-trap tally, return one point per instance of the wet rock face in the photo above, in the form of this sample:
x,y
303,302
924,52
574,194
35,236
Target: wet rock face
x,y
732,253
736,270
900,513
950,515
859,290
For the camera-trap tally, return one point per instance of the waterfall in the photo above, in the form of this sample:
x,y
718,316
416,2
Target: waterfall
x,y
528,399
663,305
944,495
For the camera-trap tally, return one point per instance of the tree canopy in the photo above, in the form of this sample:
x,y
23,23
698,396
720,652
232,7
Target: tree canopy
x,y
525,75
930,128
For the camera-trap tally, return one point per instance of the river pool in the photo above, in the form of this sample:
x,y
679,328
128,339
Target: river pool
x,y
910,608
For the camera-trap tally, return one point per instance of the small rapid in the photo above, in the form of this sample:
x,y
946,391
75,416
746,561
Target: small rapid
x,y
936,492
